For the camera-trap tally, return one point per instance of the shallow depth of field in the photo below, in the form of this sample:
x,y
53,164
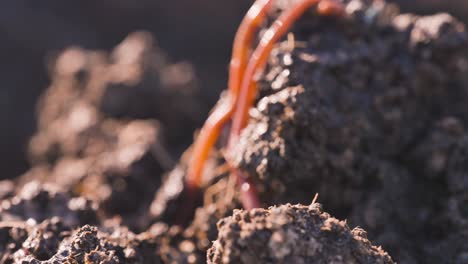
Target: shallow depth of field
x,y
356,145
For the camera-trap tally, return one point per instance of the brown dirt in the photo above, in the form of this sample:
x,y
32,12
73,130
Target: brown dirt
x,y
369,111
53,242
366,110
291,234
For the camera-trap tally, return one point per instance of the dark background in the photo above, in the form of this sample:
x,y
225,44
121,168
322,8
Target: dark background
x,y
200,31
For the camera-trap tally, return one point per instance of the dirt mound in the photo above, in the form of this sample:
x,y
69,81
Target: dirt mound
x,y
369,111
53,242
291,234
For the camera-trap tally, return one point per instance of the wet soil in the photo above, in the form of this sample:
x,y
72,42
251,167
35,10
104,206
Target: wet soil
x,y
291,234
367,110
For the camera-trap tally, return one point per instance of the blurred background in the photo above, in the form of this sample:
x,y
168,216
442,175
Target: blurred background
x,y
32,33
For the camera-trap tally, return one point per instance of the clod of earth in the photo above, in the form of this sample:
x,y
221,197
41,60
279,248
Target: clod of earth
x,y
291,234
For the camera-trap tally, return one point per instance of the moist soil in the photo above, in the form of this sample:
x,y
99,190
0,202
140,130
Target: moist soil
x,y
368,110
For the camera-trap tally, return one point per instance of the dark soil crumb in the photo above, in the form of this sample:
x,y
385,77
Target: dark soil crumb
x,y
291,234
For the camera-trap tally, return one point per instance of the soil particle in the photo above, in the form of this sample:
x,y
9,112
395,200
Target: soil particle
x,y
42,242
291,234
